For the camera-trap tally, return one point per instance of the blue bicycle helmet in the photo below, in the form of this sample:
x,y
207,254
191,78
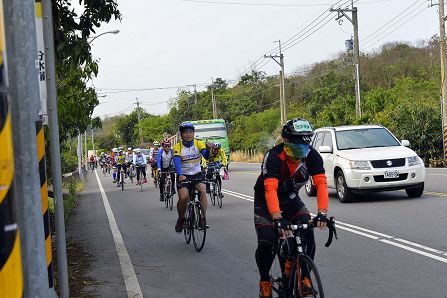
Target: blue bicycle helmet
x,y
186,125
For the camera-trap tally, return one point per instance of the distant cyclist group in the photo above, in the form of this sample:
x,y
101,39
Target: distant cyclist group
x,y
283,224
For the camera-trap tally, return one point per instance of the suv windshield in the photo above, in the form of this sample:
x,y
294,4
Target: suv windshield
x,y
364,138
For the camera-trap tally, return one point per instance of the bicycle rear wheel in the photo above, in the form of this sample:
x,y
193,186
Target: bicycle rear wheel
x,y
276,278
199,231
218,192
307,269
188,225
171,199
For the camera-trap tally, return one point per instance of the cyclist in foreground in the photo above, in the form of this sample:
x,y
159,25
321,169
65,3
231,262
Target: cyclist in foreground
x,y
217,158
285,169
164,165
188,155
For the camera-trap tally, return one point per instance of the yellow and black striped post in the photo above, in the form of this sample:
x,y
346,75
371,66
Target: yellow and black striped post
x,y
11,276
40,139
445,144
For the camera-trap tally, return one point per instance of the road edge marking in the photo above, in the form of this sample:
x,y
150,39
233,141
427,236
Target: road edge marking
x,y
130,278
384,238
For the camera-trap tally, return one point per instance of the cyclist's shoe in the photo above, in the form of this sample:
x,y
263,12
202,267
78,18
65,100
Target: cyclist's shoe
x,y
308,290
161,198
114,181
265,289
202,224
145,180
179,225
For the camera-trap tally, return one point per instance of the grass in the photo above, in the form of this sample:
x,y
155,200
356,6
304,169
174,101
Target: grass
x,y
247,156
74,186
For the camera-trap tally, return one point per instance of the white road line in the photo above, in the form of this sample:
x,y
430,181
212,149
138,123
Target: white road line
x,y
130,278
384,238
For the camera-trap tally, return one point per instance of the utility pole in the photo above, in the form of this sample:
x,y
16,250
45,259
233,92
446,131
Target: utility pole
x,y
93,141
53,122
79,153
354,21
21,39
213,100
442,47
139,119
86,151
282,89
195,94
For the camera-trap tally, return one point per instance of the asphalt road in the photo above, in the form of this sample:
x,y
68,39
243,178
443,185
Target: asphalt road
x,y
388,246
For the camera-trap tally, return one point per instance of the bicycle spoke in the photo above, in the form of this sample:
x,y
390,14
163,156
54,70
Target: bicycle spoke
x,y
199,232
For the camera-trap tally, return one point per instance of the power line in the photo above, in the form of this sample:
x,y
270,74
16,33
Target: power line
x,y
384,25
412,17
272,4
256,4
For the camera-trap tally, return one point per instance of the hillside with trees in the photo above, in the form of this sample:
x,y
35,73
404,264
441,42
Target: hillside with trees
x,y
399,85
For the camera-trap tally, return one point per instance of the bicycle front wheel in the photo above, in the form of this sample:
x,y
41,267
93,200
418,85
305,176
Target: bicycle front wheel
x,y
188,225
276,278
307,281
199,232
219,192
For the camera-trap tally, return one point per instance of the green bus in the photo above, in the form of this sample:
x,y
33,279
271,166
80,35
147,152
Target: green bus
x,y
214,130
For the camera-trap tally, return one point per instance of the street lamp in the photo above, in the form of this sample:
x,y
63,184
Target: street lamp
x,y
108,32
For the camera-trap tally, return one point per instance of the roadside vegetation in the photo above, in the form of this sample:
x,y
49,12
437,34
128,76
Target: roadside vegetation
x,y
399,84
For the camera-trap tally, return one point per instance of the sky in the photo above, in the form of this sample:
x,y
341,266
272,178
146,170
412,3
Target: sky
x,y
178,43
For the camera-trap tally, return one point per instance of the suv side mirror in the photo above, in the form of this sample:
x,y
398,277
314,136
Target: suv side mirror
x,y
405,143
325,149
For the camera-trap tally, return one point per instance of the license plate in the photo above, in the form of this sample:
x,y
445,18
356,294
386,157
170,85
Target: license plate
x,y
391,174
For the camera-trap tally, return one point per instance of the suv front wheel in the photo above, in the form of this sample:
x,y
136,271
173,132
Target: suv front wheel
x,y
415,192
344,194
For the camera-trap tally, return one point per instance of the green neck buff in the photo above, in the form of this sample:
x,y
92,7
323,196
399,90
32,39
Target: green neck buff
x,y
296,151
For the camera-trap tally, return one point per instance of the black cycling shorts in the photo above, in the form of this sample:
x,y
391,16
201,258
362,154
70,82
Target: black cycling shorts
x,y
198,176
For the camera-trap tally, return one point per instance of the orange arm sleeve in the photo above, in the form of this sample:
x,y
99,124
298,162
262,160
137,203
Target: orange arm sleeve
x,y
322,192
271,194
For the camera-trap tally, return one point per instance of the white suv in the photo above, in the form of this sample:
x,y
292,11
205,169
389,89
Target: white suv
x,y
367,158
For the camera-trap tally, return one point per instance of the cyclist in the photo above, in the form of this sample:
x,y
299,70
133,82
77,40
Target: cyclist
x,y
140,164
285,169
154,155
120,160
164,165
217,159
113,163
188,154
102,160
129,161
92,161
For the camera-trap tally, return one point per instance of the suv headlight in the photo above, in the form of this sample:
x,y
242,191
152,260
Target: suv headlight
x,y
359,164
413,161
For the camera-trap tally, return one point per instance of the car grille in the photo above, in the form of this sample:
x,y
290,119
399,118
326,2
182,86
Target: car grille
x,y
399,162
380,178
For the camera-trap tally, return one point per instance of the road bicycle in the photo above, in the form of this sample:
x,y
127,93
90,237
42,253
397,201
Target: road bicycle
x,y
292,266
195,221
214,185
92,166
132,171
139,170
156,177
121,181
168,195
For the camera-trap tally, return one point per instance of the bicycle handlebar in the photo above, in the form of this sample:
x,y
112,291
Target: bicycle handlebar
x,y
312,224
